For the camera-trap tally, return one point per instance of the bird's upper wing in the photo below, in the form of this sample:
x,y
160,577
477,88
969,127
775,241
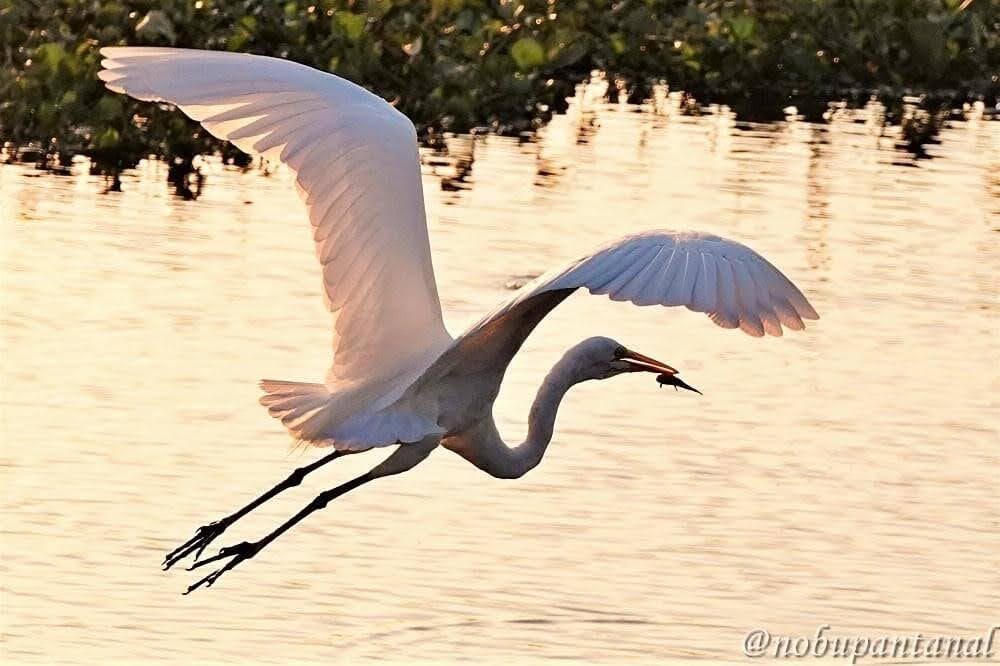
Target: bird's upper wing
x,y
356,167
732,284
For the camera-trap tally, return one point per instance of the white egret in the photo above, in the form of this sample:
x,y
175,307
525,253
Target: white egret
x,y
398,378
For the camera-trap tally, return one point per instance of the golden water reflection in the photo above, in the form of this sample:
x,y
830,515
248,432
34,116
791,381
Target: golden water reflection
x,y
844,476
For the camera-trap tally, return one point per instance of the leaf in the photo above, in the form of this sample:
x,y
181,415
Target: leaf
x,y
743,27
353,25
108,108
617,43
527,53
439,7
107,139
51,54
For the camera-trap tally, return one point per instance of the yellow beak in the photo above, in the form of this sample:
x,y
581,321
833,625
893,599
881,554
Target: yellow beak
x,y
643,363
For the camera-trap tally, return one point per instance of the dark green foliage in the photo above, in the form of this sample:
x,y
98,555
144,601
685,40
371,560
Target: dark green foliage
x,y
457,64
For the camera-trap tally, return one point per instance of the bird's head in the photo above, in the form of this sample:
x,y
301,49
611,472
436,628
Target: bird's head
x,y
603,358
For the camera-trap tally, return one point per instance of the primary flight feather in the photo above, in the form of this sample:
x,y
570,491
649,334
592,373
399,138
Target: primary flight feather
x,y
397,376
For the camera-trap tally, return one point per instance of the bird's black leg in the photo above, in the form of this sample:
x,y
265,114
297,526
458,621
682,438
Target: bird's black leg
x,y
246,550
206,534
405,457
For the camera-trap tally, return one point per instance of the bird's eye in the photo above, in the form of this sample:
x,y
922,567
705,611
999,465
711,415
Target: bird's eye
x,y
619,352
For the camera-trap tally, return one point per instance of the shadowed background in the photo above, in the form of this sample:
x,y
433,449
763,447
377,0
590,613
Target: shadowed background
x,y
504,65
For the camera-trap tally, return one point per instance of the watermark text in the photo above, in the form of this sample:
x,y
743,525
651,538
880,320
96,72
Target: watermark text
x,y
824,644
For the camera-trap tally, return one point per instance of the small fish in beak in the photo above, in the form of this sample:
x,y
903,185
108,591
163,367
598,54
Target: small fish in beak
x,y
673,380
666,374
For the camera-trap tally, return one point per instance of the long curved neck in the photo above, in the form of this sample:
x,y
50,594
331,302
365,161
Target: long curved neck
x,y
502,461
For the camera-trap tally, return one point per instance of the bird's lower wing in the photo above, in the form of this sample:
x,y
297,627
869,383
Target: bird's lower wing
x,y
732,284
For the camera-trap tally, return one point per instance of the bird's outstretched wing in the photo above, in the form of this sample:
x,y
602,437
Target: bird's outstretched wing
x,y
732,284
356,167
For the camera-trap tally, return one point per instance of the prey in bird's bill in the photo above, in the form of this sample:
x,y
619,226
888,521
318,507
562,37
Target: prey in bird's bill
x,y
671,379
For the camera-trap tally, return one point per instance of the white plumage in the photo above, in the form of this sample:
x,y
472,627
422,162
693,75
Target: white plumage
x,y
357,169
397,376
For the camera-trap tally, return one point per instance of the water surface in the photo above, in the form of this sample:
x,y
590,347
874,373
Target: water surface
x,y
844,476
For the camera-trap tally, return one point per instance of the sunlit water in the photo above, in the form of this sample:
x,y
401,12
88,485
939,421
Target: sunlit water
x,y
844,476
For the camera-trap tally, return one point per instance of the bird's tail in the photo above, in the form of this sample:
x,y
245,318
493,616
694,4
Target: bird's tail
x,y
300,406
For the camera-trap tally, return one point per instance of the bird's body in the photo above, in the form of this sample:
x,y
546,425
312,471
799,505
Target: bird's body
x,y
452,386
398,378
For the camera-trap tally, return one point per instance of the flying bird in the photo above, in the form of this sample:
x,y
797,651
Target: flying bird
x,y
398,379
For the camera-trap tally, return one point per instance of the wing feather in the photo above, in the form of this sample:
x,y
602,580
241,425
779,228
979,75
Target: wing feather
x,y
787,314
704,297
667,274
728,309
641,289
678,292
607,268
620,287
746,299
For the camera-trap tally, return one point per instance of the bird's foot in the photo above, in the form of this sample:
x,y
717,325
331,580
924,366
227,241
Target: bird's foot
x,y
239,553
197,544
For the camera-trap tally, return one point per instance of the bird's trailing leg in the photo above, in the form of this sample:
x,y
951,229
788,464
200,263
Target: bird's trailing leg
x,y
206,534
246,550
405,457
